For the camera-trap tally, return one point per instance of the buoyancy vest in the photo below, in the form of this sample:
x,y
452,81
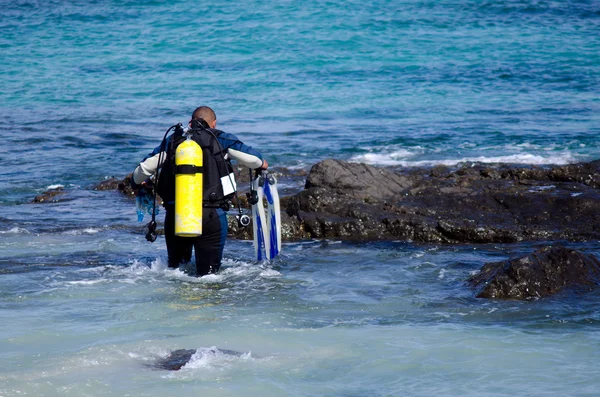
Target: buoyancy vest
x,y
215,167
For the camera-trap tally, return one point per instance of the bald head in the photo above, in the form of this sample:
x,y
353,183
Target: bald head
x,y
205,113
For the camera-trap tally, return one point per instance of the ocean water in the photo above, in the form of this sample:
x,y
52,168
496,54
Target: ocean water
x,y
88,88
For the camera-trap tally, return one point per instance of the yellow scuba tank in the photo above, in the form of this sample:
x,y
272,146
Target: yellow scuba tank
x,y
188,189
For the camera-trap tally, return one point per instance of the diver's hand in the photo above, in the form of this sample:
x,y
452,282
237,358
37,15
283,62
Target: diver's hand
x,y
142,188
264,165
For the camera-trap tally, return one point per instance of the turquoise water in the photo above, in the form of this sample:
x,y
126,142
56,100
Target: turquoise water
x,y
87,88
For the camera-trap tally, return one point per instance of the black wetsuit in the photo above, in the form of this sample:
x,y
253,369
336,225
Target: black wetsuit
x,y
208,247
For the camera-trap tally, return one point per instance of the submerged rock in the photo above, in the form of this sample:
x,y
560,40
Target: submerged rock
x,y
50,196
540,274
175,360
179,358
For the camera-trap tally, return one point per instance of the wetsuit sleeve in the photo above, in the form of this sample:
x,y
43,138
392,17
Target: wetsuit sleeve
x,y
149,165
237,150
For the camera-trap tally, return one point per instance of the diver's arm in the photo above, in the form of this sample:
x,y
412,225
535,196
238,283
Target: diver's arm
x,y
146,169
246,159
149,165
244,154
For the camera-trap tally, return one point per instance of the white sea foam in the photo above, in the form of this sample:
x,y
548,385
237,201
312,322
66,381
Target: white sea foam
x,y
15,230
235,269
158,268
300,165
541,188
442,274
212,357
466,152
55,186
86,282
157,271
393,159
78,232
270,273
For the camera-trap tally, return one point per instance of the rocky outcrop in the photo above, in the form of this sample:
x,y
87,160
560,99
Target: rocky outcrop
x,y
545,272
50,196
177,359
122,185
472,204
174,361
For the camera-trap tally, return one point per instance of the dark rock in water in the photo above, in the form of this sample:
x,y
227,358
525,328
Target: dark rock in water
x,y
175,360
540,274
50,196
360,181
291,228
122,185
178,358
472,203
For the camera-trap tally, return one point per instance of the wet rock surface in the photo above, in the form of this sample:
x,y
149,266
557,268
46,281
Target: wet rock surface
x,y
469,204
179,358
472,203
50,196
122,185
543,273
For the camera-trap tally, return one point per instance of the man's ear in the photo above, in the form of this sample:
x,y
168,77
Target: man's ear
x,y
213,124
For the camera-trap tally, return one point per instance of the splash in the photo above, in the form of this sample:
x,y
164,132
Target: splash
x,y
212,357
78,232
15,230
393,159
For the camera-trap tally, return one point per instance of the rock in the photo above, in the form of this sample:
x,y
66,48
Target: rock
x,y
122,185
544,272
175,360
236,231
178,358
361,181
473,203
50,196
111,183
291,228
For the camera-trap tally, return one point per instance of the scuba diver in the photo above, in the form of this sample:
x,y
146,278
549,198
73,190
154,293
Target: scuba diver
x,y
218,187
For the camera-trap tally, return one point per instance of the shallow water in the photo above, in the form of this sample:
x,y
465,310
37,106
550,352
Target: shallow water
x,y
326,318
89,88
